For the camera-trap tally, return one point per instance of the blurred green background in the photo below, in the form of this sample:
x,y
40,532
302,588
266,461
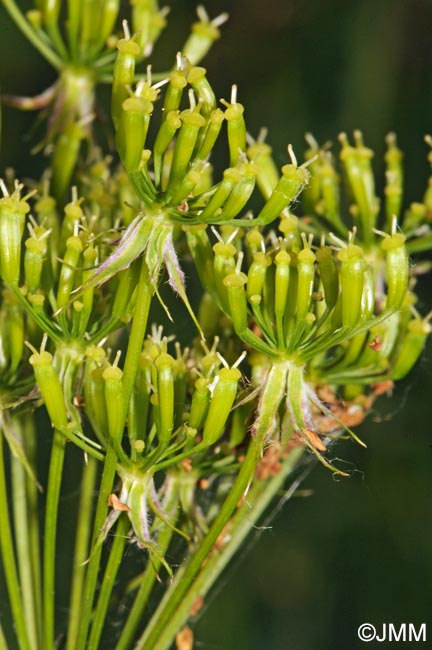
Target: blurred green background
x,y
356,550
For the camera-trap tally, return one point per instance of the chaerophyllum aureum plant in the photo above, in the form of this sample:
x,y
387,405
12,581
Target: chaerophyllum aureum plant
x,y
307,315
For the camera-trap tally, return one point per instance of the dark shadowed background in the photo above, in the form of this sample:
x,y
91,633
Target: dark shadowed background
x,y
360,549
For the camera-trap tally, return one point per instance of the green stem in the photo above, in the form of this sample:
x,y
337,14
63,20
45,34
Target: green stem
x,y
168,607
8,561
110,574
21,22
51,516
81,550
3,642
241,525
95,557
148,579
22,542
138,329
29,434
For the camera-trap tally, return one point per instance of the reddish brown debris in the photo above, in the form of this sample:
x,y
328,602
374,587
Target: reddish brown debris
x,y
197,605
376,344
383,387
314,439
269,464
184,639
187,464
116,504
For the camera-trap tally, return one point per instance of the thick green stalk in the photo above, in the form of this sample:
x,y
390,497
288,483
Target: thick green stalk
x,y
110,574
137,333
22,543
167,609
3,642
29,434
8,561
28,31
50,536
258,499
136,613
105,489
81,550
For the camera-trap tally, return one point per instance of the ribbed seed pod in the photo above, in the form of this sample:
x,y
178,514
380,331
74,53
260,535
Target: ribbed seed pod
x,y
305,281
203,34
166,133
231,177
50,387
164,364
234,283
74,248
132,131
282,274
288,187
236,130
114,399
267,172
224,263
329,275
192,122
200,403
222,400
35,254
397,269
123,75
353,268
257,274
174,92
241,192
214,126
12,217
411,348
206,97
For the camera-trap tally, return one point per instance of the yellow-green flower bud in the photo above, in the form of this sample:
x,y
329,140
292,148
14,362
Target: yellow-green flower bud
x,y
224,394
